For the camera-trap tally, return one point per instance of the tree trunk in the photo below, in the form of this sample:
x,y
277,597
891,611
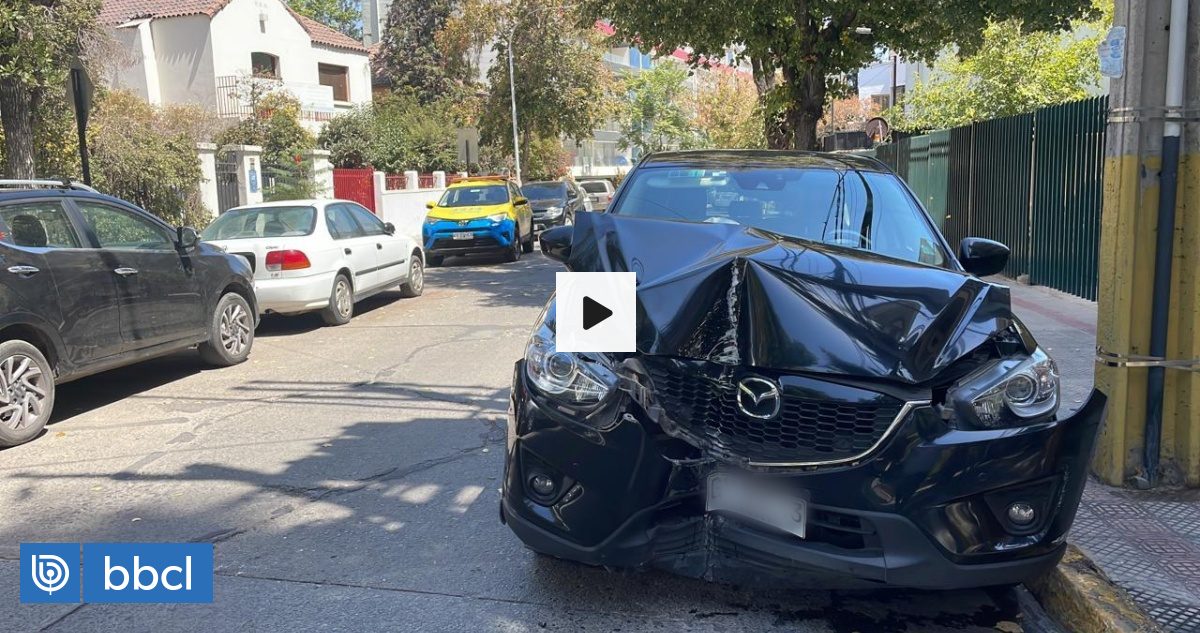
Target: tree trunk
x,y
16,115
797,123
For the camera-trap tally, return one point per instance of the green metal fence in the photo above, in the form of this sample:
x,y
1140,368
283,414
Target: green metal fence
x,y
1032,181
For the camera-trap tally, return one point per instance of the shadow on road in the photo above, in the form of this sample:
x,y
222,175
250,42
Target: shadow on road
x,y
527,282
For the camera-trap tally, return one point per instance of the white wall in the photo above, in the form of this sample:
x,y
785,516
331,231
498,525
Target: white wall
x,y
185,60
406,209
130,71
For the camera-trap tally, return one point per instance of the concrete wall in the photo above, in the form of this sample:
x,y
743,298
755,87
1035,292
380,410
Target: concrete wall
x,y
184,55
130,72
406,209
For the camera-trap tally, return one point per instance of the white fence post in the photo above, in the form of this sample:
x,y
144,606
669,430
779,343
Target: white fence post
x,y
380,179
439,180
322,172
412,180
249,176
207,153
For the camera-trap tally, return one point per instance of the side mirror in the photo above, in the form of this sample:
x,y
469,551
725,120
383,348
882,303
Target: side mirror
x,y
556,242
431,204
982,257
519,200
187,238
389,228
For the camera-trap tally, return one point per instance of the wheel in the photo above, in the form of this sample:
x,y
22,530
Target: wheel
x,y
513,254
341,302
433,261
230,332
416,278
527,245
26,392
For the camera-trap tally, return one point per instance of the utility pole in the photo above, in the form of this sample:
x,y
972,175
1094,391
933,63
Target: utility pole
x,y
1148,330
512,95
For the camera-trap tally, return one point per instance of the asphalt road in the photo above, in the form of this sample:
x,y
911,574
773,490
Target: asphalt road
x,y
349,478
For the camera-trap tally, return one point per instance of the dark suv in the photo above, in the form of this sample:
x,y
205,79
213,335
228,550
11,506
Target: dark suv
x,y
554,203
822,392
89,282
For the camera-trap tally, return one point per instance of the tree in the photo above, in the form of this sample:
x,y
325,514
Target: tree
x,y
726,111
797,47
562,86
39,42
1009,74
343,15
410,57
274,124
655,117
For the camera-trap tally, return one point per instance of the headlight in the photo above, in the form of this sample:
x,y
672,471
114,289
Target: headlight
x,y
1008,392
554,212
578,379
498,218
429,220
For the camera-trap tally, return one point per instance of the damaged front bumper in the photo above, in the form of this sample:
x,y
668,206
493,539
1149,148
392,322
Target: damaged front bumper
x,y
925,508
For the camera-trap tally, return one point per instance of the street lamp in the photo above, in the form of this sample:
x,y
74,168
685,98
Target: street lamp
x,y
512,95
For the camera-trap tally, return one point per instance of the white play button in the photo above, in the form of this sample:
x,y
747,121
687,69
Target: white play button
x,y
595,312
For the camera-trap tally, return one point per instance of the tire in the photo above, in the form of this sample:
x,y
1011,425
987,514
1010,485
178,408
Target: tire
x,y
230,332
513,254
433,261
26,392
341,302
527,245
416,278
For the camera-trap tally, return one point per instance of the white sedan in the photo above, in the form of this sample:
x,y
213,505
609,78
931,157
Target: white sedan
x,y
325,255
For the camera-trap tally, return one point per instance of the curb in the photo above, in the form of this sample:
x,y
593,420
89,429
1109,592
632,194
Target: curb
x,y
1080,597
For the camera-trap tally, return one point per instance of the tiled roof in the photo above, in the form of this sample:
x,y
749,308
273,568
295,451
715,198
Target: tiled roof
x,y
118,11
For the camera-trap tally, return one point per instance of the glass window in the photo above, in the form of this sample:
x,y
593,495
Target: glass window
x,y
545,190
120,229
474,196
261,222
866,210
594,186
370,224
264,65
41,224
336,77
340,222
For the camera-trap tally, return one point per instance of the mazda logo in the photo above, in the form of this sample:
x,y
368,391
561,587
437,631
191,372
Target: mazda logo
x,y
758,397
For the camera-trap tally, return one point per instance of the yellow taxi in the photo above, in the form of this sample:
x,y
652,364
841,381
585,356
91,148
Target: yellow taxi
x,y
481,214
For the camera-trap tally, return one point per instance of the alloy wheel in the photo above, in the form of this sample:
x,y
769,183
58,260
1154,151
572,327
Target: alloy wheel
x,y
22,391
235,329
342,297
416,278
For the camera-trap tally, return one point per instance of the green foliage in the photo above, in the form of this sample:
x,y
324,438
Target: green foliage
x,y
795,47
343,15
275,126
726,110
545,158
655,118
394,134
1011,72
409,56
140,153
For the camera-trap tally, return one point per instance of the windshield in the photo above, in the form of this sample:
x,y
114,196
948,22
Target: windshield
x,y
545,190
474,196
258,222
593,187
870,211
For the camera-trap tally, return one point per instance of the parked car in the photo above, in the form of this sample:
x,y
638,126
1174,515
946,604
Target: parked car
x,y
822,392
600,192
89,283
555,203
319,255
481,214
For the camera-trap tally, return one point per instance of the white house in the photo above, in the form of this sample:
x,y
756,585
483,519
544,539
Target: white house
x,y
204,52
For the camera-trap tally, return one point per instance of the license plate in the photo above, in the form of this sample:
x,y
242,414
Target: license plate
x,y
753,499
464,236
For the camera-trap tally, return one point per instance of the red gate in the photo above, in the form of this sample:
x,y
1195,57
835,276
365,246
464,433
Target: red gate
x,y
357,185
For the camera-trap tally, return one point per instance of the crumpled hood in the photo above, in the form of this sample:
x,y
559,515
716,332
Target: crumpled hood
x,y
741,296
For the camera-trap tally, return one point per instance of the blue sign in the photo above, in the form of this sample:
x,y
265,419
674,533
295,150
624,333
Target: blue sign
x,y
253,179
50,572
147,572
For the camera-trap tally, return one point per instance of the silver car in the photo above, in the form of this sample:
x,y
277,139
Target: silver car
x,y
600,192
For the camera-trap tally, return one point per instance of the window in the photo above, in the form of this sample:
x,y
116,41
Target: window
x,y
370,224
336,77
594,186
340,222
41,224
474,196
262,222
120,229
264,65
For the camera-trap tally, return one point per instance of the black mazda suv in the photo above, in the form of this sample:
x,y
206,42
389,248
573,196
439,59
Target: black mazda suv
x,y
89,282
823,393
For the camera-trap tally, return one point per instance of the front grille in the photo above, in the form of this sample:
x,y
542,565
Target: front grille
x,y
478,242
817,422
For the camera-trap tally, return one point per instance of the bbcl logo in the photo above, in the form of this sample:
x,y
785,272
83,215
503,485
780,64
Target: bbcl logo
x,y
117,572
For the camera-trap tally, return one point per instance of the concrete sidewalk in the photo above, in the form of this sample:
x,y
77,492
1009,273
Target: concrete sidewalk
x,y
1146,542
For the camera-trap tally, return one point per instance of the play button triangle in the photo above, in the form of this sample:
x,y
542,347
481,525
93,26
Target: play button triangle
x,y
593,312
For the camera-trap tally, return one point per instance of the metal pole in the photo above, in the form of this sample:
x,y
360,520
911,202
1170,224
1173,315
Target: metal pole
x,y
512,92
895,64
1165,235
81,117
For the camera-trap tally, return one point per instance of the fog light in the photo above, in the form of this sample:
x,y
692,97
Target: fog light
x,y
542,485
1021,514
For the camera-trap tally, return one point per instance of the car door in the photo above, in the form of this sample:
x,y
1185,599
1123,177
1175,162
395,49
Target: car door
x,y
49,267
357,247
391,250
157,287
523,211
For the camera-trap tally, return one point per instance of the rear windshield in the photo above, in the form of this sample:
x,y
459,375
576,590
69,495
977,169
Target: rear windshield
x,y
259,222
474,196
866,210
545,190
594,187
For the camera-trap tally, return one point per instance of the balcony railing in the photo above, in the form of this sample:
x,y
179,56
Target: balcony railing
x,y
234,96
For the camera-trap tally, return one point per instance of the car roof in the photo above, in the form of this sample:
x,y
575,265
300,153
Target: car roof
x,y
726,158
13,193
478,180
307,202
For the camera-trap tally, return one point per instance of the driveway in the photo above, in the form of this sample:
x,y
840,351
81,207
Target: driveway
x,y
349,478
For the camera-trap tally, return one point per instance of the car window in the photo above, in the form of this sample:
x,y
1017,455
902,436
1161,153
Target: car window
x,y
121,229
470,196
340,222
261,222
594,187
369,222
866,210
40,224
545,190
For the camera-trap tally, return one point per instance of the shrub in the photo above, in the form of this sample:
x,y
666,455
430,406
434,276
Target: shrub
x,y
394,134
275,126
